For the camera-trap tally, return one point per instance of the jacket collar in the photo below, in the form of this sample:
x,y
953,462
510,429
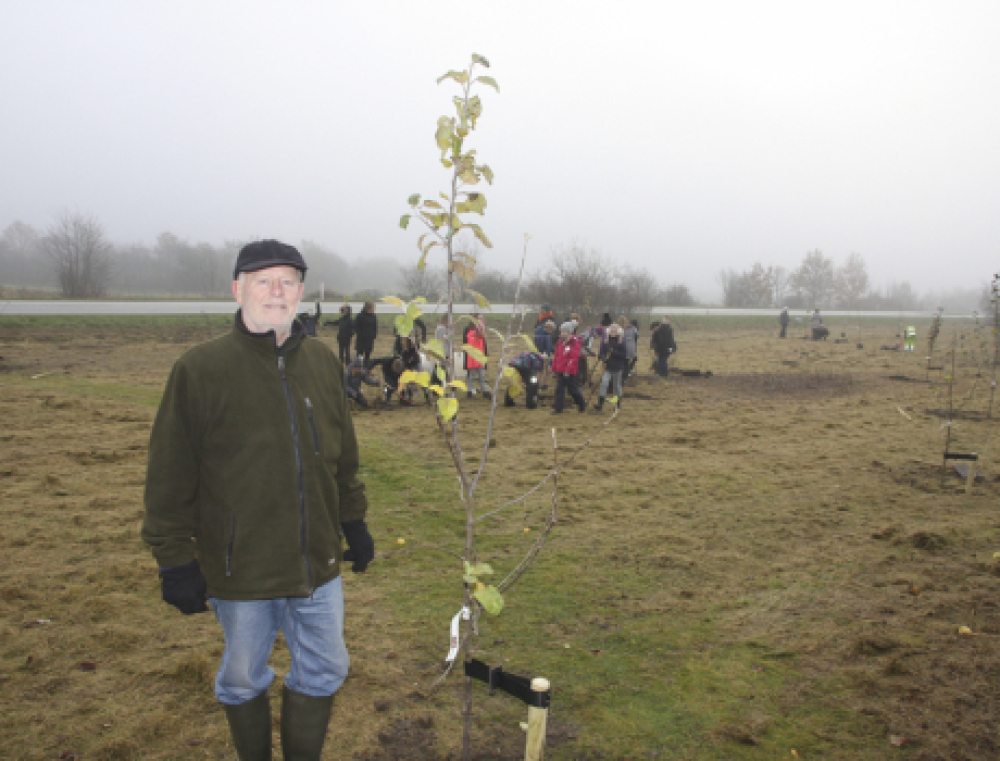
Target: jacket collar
x,y
265,342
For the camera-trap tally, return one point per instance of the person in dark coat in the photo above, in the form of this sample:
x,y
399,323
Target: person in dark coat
x,y
663,345
310,320
783,321
545,343
615,359
366,331
345,332
252,479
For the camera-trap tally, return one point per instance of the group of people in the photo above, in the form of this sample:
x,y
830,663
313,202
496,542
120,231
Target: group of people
x,y
363,330
564,356
614,345
406,356
817,330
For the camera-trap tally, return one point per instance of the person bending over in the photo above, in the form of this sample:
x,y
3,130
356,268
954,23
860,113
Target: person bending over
x,y
528,366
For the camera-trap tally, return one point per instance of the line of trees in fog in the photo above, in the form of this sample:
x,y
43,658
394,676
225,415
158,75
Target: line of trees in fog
x,y
75,255
576,279
819,283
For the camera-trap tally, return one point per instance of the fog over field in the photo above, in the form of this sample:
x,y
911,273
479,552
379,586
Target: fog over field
x,y
687,139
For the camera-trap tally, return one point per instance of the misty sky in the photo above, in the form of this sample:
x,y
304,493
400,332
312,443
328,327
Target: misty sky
x,y
684,137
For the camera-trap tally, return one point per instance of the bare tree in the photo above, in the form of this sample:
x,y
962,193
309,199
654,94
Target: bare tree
x,y
676,295
638,290
577,280
80,254
779,284
851,282
427,282
814,279
499,287
20,256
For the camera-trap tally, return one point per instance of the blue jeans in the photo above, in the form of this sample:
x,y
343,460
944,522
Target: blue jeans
x,y
314,631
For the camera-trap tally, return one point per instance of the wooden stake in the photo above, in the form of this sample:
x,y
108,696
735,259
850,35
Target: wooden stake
x,y
537,720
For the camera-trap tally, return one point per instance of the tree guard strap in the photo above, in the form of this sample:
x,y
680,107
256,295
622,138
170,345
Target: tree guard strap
x,y
952,456
518,686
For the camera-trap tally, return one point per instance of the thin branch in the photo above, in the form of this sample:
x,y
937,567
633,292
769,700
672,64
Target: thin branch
x,y
496,380
521,568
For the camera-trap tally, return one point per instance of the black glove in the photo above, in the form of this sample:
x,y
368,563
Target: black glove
x,y
361,546
184,587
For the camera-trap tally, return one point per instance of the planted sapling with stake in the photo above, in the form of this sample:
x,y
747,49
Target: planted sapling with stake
x,y
443,217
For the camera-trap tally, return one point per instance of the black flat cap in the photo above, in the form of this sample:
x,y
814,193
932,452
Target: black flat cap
x,y
262,254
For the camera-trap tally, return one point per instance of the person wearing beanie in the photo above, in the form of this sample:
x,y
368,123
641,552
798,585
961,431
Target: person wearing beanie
x,y
545,314
565,361
252,479
614,357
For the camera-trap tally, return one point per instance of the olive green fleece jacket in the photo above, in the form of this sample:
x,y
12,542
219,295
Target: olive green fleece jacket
x,y
253,465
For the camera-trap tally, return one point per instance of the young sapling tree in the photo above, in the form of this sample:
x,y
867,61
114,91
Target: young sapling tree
x,y
444,217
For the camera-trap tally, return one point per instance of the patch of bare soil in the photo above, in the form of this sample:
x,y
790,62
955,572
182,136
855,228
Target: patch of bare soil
x,y
787,385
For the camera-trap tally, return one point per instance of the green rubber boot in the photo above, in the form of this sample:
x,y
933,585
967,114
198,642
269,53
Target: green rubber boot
x,y
250,725
303,725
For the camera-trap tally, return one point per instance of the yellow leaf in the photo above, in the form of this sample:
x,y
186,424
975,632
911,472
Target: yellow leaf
x,y
410,376
448,408
531,343
435,348
481,301
458,384
395,300
475,353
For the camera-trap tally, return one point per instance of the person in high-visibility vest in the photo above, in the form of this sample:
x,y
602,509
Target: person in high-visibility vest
x,y
910,339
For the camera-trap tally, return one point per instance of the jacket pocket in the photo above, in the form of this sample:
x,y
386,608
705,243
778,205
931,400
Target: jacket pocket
x,y
312,425
230,545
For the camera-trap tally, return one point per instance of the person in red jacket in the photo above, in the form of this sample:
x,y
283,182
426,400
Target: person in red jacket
x,y
565,363
475,335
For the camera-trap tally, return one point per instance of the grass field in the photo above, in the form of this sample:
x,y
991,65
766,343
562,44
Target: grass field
x,y
759,564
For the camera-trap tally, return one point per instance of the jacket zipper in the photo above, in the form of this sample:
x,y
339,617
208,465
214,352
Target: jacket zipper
x,y
229,547
312,424
298,466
